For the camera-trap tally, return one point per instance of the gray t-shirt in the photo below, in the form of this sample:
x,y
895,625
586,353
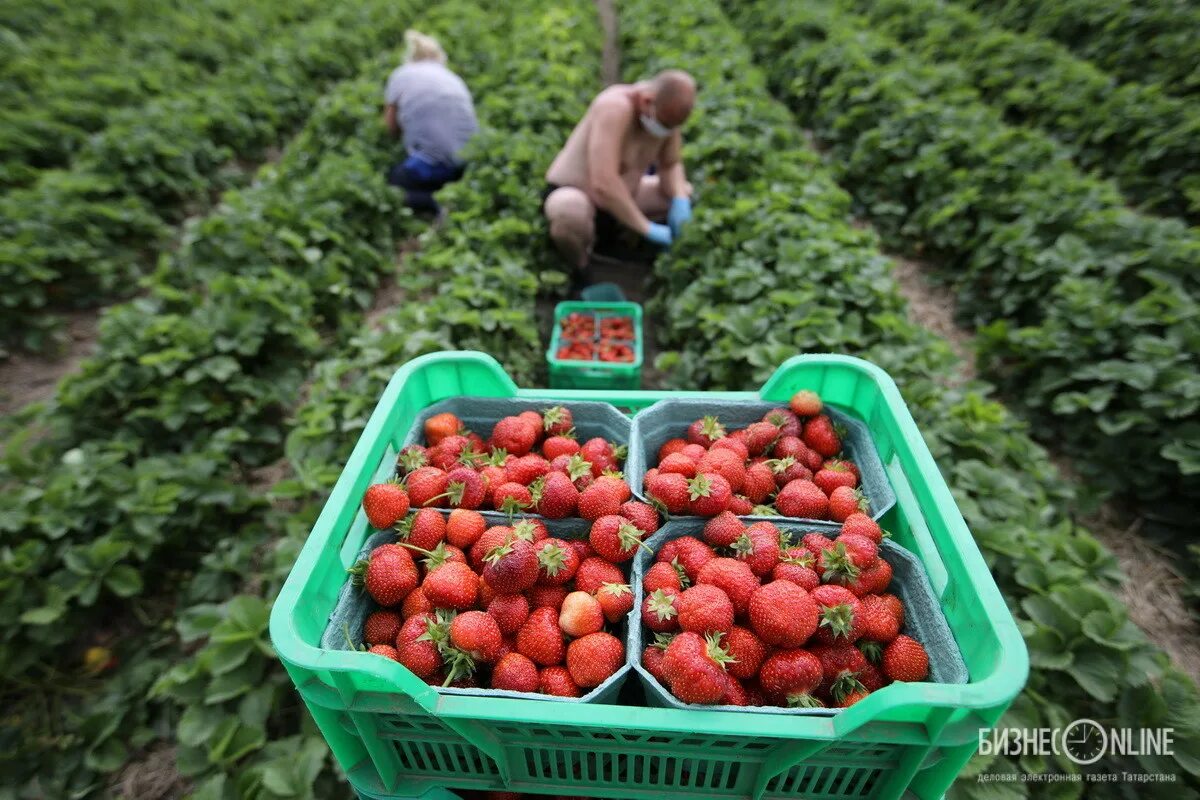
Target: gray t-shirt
x,y
434,108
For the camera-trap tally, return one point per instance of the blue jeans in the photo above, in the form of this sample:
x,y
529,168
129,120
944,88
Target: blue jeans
x,y
420,178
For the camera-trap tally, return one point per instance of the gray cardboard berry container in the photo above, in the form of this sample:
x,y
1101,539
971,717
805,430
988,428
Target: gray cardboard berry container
x,y
480,414
355,605
669,419
923,618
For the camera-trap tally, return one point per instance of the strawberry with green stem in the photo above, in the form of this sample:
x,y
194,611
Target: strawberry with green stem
x,y
385,504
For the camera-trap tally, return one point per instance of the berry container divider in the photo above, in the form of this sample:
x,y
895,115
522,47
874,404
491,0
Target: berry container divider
x,y
923,618
396,737
595,374
669,419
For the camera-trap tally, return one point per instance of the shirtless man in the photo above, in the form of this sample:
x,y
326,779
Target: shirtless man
x,y
599,182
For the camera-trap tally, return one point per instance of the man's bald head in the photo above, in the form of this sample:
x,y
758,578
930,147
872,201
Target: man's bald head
x,y
674,95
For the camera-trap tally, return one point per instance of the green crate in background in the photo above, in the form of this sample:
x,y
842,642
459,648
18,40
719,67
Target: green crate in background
x,y
396,737
565,374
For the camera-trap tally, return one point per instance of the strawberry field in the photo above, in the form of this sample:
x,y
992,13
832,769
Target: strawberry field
x,y
207,182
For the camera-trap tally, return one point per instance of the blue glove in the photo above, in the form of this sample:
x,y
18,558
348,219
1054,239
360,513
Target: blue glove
x,y
659,234
681,212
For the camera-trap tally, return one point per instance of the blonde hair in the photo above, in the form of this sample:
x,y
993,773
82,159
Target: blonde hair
x,y
419,47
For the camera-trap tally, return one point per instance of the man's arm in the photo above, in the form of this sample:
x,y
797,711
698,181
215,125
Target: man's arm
x,y
672,182
390,120
604,166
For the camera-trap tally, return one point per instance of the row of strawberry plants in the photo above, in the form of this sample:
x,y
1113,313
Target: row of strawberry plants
x,y
771,265
79,236
25,24
1090,310
455,298
59,95
1152,42
1144,138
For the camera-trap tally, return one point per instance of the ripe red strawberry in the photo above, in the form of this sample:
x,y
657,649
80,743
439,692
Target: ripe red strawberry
x,y
740,506
491,538
727,464
452,585
512,567
733,577
464,527
816,542
661,575
796,566
878,622
735,692
678,463
510,612
558,447
790,677
694,668
445,456
760,436
705,431
425,529
709,494
786,470
723,530
557,681
557,420
440,426
905,660
594,658
464,488
492,476
813,460
805,403
670,490
530,529
783,614
540,638
640,514
557,561
388,574
660,610
832,475
671,446
580,614
555,496
784,420
846,559
873,580
603,498
601,454
382,627
616,600
894,604
842,664
871,678
385,504
843,463
582,548
426,486
652,659
545,596
416,603
705,609
759,483
594,572
477,635
802,499
694,451
862,525
385,650
820,435
736,444
746,650
844,502
615,538
790,447
691,555
759,548
418,653
410,458
839,610
514,435
515,673
525,469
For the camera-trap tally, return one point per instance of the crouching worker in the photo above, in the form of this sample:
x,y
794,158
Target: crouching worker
x,y
432,108
598,184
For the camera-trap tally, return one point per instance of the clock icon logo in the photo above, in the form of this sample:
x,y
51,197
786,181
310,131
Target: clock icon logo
x,y
1085,741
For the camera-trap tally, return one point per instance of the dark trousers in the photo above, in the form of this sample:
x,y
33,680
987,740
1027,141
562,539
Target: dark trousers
x,y
420,178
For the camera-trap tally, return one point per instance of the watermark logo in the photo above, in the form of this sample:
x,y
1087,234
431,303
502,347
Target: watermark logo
x,y
1083,741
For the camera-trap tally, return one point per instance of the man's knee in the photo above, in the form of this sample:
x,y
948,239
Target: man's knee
x,y
570,216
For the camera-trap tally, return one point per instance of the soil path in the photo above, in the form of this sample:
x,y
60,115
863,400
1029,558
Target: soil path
x,y
30,378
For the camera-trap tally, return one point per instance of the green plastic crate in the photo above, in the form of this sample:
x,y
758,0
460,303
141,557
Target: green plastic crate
x,y
396,737
570,374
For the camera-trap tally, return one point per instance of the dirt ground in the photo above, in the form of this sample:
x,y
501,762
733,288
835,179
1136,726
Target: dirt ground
x,y
30,378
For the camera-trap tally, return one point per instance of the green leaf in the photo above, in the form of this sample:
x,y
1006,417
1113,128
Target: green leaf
x,y
198,723
124,581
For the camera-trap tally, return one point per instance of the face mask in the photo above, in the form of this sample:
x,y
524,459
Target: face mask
x,y
654,127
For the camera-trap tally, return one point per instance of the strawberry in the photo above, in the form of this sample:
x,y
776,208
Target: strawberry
x,y
844,501
640,514
557,447
790,677
735,444
582,548
652,656
492,476
557,682
832,475
790,447
784,420
416,603
841,665
759,483
594,572
510,612
540,639
727,464
530,529
385,650
709,494
812,459
705,609
514,435
759,548
862,525
723,530
441,426
796,566
783,614
388,574
445,456
905,660
616,600
820,435
805,403
852,697
557,421
871,678
512,567
670,490
410,458
601,454
661,575
465,488
878,622
705,431
580,614
425,486
660,610
555,496
894,604
577,468
746,650
694,668
740,506
670,446
679,464
424,530
557,561
839,609
476,634
603,498
385,504
421,656
464,527
873,580
760,436
515,673
816,542
733,577
526,469
691,555
803,499
846,559
735,693
546,596
452,585
491,538
381,627
592,659
614,538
